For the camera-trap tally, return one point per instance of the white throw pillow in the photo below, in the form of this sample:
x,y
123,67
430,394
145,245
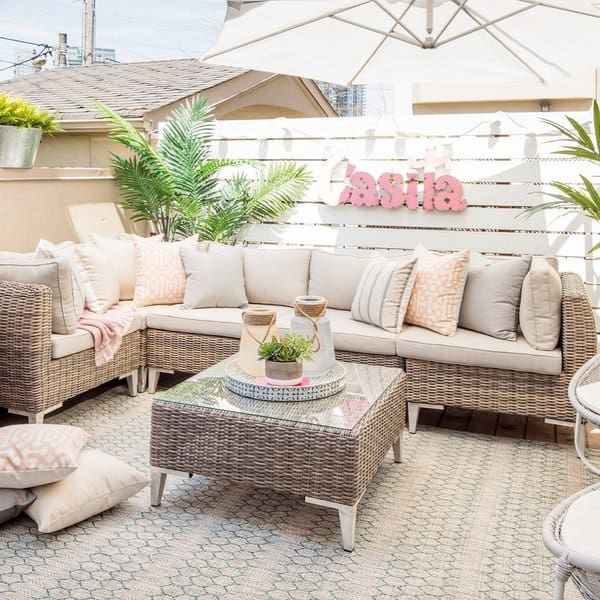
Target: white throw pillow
x,y
120,253
214,280
100,283
336,277
65,251
100,482
33,455
275,276
384,292
541,303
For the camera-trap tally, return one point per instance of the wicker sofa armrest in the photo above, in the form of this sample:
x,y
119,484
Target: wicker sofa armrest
x,y
25,341
578,335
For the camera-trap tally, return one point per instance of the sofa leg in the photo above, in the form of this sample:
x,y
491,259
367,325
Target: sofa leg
x,y
35,418
153,375
413,413
413,416
142,379
132,382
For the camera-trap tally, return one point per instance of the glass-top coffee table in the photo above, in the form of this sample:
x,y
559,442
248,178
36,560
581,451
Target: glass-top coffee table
x,y
326,450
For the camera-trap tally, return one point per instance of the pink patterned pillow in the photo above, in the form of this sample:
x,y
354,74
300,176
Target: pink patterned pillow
x,y
32,455
160,273
438,290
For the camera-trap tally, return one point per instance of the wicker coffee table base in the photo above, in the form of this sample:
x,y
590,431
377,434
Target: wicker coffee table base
x,y
346,512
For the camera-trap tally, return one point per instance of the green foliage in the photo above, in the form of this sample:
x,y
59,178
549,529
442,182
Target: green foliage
x,y
177,186
292,347
584,198
20,113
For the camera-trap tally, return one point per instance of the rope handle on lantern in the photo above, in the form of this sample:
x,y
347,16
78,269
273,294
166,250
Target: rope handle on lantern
x,y
314,322
269,325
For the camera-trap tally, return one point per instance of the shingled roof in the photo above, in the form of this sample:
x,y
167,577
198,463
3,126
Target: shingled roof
x,y
131,89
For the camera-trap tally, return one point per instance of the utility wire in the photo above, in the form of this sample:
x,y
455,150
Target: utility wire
x,y
22,41
43,52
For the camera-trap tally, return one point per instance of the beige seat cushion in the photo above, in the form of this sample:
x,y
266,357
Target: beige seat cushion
x,y
275,276
477,350
225,322
65,345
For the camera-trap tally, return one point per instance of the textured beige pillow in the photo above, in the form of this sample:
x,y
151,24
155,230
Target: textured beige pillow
x,y
275,276
65,251
214,280
336,276
33,455
120,253
100,482
541,301
438,290
100,283
384,291
160,273
54,273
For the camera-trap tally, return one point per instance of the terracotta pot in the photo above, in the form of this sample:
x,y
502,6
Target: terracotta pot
x,y
280,373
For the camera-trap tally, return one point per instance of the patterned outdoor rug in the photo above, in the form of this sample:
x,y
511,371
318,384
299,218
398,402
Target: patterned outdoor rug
x,y
460,518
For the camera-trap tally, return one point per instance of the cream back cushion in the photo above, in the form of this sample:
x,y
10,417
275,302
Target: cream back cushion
x,y
336,276
100,283
275,276
541,303
120,253
384,291
54,273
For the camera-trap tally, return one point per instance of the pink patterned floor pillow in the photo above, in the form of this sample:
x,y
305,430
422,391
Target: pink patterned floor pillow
x,y
32,455
438,290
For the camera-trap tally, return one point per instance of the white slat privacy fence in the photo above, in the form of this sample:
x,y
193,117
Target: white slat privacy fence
x,y
504,162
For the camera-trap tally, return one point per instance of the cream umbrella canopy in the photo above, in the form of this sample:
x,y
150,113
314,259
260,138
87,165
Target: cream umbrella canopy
x,y
372,41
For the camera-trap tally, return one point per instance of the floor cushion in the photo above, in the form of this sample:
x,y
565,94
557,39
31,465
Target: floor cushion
x,y
13,503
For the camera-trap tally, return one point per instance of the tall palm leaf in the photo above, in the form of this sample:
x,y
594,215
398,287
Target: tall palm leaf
x,y
584,198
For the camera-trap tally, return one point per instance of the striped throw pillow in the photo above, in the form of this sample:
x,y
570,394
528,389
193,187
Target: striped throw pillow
x,y
384,291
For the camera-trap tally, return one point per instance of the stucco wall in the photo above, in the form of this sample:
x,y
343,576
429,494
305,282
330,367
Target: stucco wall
x,y
58,205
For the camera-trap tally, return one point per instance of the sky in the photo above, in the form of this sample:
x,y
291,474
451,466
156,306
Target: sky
x,y
137,30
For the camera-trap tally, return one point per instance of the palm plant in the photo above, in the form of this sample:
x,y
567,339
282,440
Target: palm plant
x,y
584,198
178,186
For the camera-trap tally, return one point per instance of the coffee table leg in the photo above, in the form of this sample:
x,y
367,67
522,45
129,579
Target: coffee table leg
x,y
157,487
397,448
347,515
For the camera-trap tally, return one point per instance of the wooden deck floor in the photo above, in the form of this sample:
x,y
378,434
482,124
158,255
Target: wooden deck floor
x,y
513,426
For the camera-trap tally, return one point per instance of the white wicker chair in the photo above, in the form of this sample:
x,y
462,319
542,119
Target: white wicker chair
x,y
572,533
584,394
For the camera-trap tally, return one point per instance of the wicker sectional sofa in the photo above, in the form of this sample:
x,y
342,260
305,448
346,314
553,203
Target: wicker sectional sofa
x,y
40,370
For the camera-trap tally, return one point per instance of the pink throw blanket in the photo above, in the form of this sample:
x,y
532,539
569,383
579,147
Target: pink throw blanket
x,y
107,330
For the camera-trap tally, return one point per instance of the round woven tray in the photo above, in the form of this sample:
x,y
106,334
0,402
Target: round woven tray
x,y
321,386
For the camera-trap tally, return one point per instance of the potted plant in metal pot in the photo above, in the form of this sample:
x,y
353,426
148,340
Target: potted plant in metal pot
x,y
283,358
21,127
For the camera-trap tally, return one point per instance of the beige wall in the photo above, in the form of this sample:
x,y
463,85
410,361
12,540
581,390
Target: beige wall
x,y
58,205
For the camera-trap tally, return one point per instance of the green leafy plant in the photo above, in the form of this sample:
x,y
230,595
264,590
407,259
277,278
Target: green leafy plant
x,y
17,112
179,188
584,198
292,347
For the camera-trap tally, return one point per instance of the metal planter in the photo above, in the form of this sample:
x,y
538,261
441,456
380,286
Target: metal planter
x,y
18,146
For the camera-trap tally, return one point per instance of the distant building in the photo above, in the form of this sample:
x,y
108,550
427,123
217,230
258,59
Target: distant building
x,y
102,56
26,68
347,101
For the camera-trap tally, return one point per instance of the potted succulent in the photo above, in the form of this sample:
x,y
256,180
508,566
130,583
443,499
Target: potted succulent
x,y
283,358
21,127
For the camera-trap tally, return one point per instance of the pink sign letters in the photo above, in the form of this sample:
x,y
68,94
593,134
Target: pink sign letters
x,y
392,190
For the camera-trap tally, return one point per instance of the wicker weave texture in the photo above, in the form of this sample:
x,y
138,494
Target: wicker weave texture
x,y
330,464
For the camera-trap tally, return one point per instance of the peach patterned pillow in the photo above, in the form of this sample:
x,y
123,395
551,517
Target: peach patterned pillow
x,y
438,290
32,455
160,276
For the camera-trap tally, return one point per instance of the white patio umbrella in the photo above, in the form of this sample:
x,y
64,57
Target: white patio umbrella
x,y
366,41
